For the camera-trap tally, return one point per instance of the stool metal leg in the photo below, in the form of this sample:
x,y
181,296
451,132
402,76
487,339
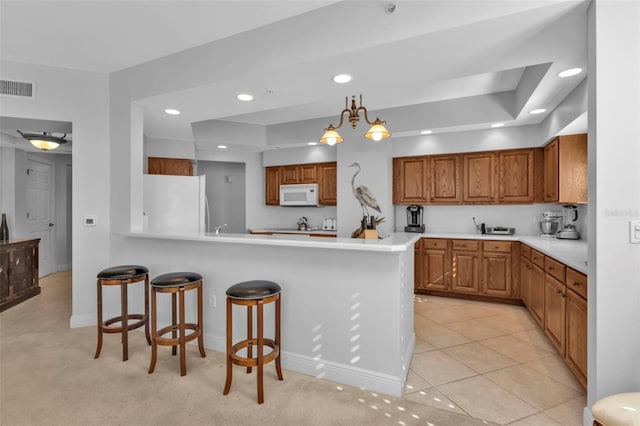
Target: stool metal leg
x,y
124,309
278,312
154,345
249,334
174,322
227,385
200,322
260,310
183,355
146,308
99,293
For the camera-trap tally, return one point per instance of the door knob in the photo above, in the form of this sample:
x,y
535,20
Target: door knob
x,y
51,224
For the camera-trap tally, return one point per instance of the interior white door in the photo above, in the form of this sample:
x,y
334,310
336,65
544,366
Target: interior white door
x,y
40,208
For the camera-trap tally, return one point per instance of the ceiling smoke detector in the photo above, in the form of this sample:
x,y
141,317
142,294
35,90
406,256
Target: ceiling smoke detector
x,y
390,8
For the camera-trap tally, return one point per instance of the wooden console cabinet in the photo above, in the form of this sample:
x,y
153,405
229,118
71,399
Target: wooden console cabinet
x,y
18,271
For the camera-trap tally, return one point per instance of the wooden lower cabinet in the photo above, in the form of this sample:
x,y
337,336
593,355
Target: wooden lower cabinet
x,y
525,282
18,271
465,271
434,265
537,294
576,337
554,312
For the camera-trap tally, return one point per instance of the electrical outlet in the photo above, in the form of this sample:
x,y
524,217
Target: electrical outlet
x,y
212,301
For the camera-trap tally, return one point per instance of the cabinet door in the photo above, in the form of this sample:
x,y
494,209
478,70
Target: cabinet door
x,y
308,173
465,271
445,179
4,274
410,180
327,184
551,162
435,269
525,282
169,166
479,177
576,345
516,176
272,190
537,294
496,274
554,312
290,174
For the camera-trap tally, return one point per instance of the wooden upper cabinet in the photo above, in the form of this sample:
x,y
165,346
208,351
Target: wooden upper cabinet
x,y
327,184
169,166
518,173
446,182
479,183
410,180
272,190
298,173
565,169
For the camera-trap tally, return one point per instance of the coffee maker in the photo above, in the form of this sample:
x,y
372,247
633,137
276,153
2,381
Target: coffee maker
x,y
570,215
414,219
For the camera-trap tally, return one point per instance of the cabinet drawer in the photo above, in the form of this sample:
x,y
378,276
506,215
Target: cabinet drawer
x,y
577,282
525,251
537,258
470,245
499,246
434,243
554,268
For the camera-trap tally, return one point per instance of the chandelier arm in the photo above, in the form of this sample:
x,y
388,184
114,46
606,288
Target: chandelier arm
x,y
342,118
366,117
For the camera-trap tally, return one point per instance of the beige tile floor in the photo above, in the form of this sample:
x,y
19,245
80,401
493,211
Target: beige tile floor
x,y
491,362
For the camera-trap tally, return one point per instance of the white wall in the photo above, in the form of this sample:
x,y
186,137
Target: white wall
x,y
614,194
82,99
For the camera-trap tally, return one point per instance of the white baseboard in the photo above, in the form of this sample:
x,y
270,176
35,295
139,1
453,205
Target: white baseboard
x,y
83,320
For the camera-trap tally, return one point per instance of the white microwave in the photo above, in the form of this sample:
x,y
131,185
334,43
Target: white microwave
x,y
305,194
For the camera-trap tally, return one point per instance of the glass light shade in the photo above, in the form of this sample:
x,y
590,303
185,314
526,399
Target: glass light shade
x,y
44,145
377,132
331,137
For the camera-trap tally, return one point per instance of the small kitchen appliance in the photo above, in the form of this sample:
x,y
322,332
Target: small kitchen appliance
x,y
550,223
329,224
305,194
569,217
414,219
500,230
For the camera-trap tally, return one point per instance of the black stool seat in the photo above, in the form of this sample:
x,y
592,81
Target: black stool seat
x,y
176,279
256,289
122,272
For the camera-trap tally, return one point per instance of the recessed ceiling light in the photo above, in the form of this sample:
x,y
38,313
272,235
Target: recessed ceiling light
x,y
570,72
222,146
312,143
426,132
497,125
537,111
171,111
342,78
245,97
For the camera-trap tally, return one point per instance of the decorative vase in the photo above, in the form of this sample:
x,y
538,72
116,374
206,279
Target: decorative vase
x,y
4,228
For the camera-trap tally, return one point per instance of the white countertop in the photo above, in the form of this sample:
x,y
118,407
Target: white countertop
x,y
572,253
396,242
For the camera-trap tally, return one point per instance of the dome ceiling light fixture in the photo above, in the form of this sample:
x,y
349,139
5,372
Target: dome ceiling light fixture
x,y
45,141
376,132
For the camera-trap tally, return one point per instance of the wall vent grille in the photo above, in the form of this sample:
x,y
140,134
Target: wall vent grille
x,y
23,89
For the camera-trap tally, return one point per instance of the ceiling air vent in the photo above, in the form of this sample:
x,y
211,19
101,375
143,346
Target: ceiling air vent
x,y
23,89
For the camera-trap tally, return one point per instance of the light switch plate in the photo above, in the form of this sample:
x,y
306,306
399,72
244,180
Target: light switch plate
x,y
634,231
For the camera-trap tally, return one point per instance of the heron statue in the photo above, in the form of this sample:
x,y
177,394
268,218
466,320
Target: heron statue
x,y
363,195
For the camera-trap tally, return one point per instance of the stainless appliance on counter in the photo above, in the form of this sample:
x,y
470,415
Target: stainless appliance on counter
x,y
414,219
569,217
550,223
500,230
329,224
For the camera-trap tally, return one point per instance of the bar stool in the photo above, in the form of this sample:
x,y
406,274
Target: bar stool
x,y
250,294
619,409
176,283
123,276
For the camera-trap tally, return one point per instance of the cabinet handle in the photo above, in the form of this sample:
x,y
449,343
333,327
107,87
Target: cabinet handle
x,y
575,284
551,268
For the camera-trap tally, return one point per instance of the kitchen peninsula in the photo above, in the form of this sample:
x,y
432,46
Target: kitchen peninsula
x,y
347,304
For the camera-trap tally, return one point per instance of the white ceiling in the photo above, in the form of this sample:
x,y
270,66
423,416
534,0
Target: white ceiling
x,y
488,60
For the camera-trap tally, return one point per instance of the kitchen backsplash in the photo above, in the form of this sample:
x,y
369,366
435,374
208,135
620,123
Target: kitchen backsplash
x,y
459,218
287,217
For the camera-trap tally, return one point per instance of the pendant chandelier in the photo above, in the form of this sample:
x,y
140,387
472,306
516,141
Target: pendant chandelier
x,y
45,141
376,132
